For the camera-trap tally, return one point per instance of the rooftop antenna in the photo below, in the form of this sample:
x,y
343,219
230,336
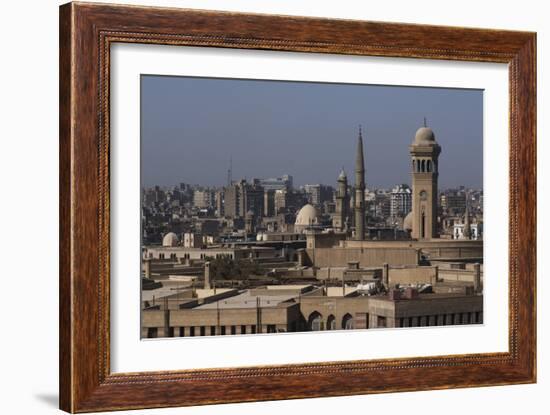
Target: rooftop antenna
x,y
425,122
230,172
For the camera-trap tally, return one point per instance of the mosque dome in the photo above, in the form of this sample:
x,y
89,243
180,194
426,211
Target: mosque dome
x,y
408,222
170,239
307,216
424,136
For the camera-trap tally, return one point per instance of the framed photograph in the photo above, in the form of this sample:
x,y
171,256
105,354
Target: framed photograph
x,y
258,207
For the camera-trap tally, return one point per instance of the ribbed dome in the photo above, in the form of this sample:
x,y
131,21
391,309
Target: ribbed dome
x,y
170,239
307,216
424,136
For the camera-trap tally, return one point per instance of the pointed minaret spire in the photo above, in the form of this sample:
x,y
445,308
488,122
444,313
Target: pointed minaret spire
x,y
360,189
360,161
342,175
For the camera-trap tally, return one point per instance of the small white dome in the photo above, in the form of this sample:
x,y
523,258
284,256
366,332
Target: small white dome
x,y
170,239
307,216
424,136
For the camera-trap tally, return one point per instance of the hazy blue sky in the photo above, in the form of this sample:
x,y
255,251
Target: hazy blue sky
x,y
192,126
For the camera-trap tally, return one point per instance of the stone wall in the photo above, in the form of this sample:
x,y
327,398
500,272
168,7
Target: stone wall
x,y
412,275
367,257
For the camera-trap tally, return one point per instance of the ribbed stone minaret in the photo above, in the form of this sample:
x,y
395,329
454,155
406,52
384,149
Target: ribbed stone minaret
x,y
359,207
340,220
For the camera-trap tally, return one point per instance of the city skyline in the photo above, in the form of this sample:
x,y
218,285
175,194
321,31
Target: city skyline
x,y
175,145
259,257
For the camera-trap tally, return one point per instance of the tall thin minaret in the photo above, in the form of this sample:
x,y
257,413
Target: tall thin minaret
x,y
359,190
467,227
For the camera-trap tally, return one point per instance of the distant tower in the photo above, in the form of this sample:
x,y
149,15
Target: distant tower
x,y
359,207
424,153
230,172
340,220
249,222
467,231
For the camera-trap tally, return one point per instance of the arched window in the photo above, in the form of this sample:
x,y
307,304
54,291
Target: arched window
x,y
315,321
423,166
429,166
331,322
347,322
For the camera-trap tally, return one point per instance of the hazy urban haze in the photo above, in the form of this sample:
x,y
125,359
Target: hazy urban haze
x,y
191,127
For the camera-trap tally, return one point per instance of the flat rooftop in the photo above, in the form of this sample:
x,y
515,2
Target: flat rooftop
x,y
171,290
245,300
285,287
338,292
433,296
148,295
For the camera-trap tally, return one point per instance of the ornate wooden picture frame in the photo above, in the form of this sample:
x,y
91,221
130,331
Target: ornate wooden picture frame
x,y
87,32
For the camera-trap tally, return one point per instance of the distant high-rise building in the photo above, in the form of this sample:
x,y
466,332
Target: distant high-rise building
x,y
400,201
269,203
203,198
242,197
382,204
318,193
159,195
454,201
277,183
219,200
